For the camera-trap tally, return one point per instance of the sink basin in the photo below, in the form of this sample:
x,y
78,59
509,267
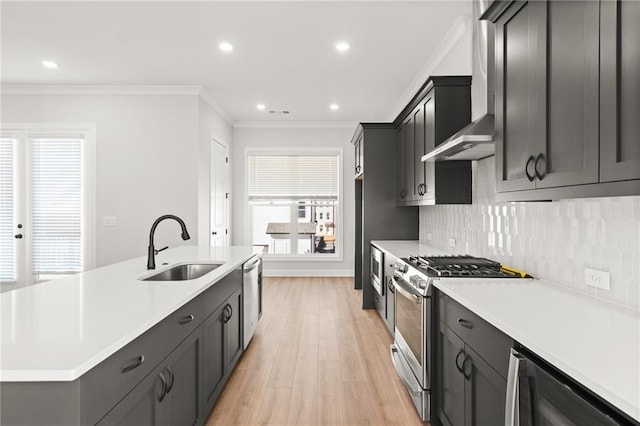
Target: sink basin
x,y
189,271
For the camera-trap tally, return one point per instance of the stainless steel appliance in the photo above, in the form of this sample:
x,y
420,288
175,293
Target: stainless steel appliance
x,y
251,297
412,350
537,394
377,270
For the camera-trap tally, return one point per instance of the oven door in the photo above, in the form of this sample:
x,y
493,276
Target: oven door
x,y
377,270
413,329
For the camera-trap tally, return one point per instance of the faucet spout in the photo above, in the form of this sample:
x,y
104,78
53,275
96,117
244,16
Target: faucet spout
x,y
151,253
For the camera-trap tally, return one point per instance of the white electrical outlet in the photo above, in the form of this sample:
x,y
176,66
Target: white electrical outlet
x,y
452,242
109,221
595,278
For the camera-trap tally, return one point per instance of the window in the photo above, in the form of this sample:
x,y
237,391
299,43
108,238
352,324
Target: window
x,y
46,206
286,193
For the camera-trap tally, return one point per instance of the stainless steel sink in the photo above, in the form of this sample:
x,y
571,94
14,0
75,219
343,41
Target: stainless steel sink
x,y
189,271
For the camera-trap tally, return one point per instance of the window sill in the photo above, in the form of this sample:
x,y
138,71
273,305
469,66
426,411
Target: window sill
x,y
302,258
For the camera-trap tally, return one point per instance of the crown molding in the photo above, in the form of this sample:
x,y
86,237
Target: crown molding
x,y
98,90
208,98
461,27
296,124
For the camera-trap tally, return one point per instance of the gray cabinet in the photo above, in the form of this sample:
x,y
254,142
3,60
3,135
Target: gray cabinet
x,y
471,368
439,109
390,293
546,97
169,395
567,99
359,167
619,90
377,214
222,342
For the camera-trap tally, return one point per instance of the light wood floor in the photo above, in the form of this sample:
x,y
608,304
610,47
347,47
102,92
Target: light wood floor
x,y
317,358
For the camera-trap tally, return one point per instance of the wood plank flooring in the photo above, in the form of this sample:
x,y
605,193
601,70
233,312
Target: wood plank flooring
x,y
317,358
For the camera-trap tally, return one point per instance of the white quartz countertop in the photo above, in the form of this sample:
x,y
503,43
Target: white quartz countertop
x,y
407,248
59,330
595,342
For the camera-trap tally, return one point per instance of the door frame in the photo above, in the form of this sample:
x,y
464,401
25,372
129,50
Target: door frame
x,y
212,142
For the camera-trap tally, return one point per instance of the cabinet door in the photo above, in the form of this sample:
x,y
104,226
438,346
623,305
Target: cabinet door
x,y
141,406
182,368
429,168
409,152
519,83
401,196
390,301
485,392
233,332
419,148
451,382
620,90
570,34
359,157
213,348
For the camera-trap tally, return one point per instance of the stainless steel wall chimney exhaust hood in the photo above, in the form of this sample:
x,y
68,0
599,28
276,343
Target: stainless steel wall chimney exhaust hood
x,y
476,140
473,142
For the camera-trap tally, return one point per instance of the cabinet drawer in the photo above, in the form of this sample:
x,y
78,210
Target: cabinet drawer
x,y
220,291
109,382
489,342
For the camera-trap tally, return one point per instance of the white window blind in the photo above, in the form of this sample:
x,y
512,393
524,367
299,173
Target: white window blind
x,y
293,176
56,205
7,208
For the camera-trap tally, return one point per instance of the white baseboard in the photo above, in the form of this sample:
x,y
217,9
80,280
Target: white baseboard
x,y
308,273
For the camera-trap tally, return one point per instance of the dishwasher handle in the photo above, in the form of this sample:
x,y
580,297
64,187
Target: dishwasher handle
x,y
252,266
512,414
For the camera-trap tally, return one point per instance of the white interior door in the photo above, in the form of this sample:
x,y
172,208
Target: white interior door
x,y
219,196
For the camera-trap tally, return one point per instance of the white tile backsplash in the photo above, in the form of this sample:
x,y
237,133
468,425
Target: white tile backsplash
x,y
554,241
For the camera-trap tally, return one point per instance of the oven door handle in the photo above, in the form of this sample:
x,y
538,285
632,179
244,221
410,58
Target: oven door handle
x,y
405,376
406,293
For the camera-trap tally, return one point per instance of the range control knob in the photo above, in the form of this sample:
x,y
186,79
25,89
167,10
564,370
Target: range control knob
x,y
401,267
417,281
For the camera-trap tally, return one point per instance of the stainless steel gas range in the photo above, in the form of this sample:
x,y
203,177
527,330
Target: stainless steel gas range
x,y
412,351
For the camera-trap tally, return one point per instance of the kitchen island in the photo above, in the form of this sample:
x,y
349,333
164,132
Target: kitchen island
x,y
58,335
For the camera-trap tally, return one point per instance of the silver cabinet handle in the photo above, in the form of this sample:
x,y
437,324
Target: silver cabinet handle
x,y
133,364
163,391
186,320
512,415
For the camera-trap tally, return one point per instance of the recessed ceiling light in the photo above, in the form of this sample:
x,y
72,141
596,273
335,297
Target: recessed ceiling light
x,y
261,107
342,46
50,64
225,47
334,107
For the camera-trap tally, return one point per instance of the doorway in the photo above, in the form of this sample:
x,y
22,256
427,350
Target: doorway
x,y
219,196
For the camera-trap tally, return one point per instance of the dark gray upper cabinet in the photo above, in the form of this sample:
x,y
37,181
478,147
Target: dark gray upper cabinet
x,y
620,90
439,109
359,170
567,99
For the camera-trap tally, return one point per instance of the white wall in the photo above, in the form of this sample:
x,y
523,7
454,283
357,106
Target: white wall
x,y
147,156
294,138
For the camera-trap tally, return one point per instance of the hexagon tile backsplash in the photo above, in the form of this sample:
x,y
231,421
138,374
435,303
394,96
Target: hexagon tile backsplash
x,y
554,241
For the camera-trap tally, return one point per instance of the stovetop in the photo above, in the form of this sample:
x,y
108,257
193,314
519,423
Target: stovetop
x,y
460,267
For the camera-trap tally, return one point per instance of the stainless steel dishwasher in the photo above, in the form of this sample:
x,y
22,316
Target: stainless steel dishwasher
x,y
251,296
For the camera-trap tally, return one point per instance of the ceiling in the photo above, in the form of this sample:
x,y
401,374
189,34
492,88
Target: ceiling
x,y
284,52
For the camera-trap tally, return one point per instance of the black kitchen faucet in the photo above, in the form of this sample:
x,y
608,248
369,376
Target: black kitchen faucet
x,y
151,257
